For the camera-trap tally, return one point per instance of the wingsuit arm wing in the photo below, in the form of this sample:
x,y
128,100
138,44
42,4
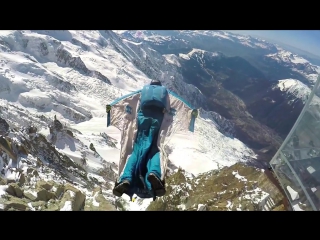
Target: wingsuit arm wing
x,y
180,117
122,108
184,115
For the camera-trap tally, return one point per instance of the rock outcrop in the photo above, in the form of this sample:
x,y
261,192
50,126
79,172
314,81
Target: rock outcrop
x,y
50,196
235,188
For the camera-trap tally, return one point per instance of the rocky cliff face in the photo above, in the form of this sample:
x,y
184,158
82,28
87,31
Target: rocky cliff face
x,y
25,195
38,177
237,188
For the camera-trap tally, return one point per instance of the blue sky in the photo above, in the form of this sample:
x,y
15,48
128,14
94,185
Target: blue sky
x,y
307,40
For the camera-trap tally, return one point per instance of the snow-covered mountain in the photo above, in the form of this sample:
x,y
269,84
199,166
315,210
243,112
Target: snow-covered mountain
x,y
186,40
295,88
56,151
296,63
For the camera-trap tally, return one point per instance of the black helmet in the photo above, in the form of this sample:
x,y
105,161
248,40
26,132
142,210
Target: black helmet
x,y
156,82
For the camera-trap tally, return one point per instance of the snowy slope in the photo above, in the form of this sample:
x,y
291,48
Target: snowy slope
x,y
73,74
294,87
297,89
296,63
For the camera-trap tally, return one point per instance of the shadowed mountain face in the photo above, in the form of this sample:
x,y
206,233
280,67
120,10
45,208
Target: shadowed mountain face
x,y
261,112
263,99
277,110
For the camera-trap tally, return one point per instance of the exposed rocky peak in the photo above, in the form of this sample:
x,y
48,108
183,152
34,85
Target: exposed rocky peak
x,y
31,193
293,89
32,130
78,42
48,49
59,131
57,125
235,188
202,55
4,127
291,60
60,84
19,118
27,157
66,58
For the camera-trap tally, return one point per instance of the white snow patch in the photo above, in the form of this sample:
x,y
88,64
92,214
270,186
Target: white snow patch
x,y
238,176
184,56
286,56
206,149
33,193
173,59
72,193
229,205
135,43
201,207
120,31
257,196
94,202
35,98
44,131
181,207
188,185
223,35
196,50
67,206
53,189
10,174
138,204
3,189
31,207
239,208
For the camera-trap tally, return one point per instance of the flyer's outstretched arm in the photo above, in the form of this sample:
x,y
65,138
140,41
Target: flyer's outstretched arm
x,y
122,108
